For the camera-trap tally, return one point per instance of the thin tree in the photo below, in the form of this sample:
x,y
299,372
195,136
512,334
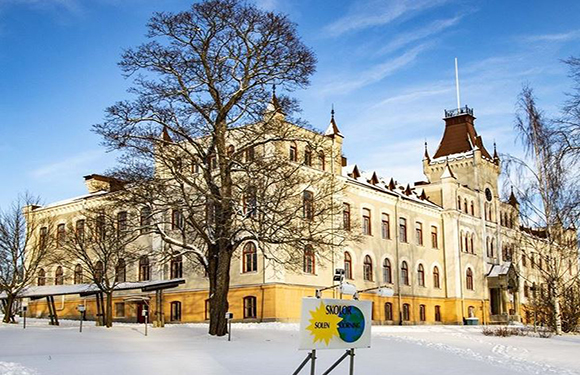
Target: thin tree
x,y
206,142
24,241
547,193
98,248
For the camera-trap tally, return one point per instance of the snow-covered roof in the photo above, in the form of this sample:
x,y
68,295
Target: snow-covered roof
x,y
75,199
500,269
376,182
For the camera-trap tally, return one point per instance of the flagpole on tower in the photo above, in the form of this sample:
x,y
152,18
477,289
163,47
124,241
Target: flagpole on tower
x,y
457,84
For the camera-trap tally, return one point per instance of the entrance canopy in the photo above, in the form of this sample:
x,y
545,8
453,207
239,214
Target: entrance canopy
x,y
35,292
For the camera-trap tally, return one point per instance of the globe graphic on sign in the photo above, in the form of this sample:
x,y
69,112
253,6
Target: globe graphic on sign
x,y
352,325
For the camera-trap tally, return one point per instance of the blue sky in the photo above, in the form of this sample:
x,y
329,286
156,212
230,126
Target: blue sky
x,y
386,65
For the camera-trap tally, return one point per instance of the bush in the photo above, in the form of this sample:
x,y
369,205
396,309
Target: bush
x,y
504,331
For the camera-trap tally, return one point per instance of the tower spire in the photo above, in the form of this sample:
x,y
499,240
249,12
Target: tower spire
x,y
426,155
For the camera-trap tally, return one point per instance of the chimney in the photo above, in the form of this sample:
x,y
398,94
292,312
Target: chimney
x,y
96,183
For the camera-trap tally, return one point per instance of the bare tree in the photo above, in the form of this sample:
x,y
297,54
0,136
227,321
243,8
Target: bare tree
x,y
206,143
24,241
98,248
548,191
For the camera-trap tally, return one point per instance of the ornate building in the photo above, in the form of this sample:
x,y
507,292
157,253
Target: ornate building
x,y
444,245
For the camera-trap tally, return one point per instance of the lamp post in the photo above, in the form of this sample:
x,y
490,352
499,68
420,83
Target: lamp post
x,y
81,308
24,308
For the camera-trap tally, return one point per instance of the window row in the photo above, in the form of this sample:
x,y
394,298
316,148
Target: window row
x,y
467,241
406,312
96,271
464,206
308,157
250,308
367,228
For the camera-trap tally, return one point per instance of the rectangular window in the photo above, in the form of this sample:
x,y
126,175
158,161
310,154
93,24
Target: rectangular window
x,y
308,157
308,205
367,222
434,241
419,233
43,236
402,229
119,310
385,226
176,219
346,216
437,313
293,153
422,313
80,231
175,315
406,312
250,307
121,222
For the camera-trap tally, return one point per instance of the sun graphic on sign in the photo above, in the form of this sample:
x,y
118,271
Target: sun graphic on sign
x,y
323,326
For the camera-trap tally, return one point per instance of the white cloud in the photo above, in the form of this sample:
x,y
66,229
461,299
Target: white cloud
x,y
375,73
366,14
73,164
433,28
561,37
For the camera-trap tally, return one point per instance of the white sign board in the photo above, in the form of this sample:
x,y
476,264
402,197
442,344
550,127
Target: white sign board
x,y
335,324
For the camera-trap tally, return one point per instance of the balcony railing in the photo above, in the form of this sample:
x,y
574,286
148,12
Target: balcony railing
x,y
459,111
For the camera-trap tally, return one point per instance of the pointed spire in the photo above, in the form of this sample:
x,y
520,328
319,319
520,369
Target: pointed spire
x,y
512,200
447,173
495,155
274,108
408,190
165,135
332,129
392,185
426,155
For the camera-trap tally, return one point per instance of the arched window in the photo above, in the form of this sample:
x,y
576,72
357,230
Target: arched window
x,y
250,202
465,207
526,289
422,313
250,307
471,312
308,205
144,270
99,271
121,271
176,266
78,279
322,161
487,247
472,251
368,268
309,260
437,313
472,209
346,216
492,248
60,235
469,279
388,311
308,156
121,223
436,279
387,271
421,275
459,203
347,265
461,242
467,235
58,276
406,312
367,228
175,311
250,258
405,273
41,277
43,238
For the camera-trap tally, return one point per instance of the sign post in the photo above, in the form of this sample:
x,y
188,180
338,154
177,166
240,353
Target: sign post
x,y
145,313
24,309
82,310
229,317
334,324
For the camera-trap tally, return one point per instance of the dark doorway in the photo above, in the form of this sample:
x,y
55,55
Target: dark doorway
x,y
494,300
140,307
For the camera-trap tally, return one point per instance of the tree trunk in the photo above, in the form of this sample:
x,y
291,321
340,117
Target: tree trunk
x,y
557,312
219,285
8,309
109,310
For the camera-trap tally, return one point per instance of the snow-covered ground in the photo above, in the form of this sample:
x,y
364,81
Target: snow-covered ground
x,y
271,349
